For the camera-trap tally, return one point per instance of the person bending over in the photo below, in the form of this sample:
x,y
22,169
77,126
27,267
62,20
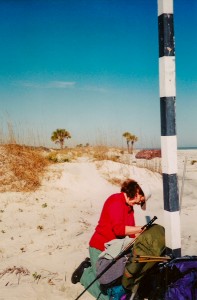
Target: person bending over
x,y
116,221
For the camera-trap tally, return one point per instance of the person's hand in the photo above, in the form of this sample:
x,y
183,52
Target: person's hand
x,y
133,230
139,230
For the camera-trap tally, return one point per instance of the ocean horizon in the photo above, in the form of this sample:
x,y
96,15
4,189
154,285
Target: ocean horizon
x,y
178,148
187,148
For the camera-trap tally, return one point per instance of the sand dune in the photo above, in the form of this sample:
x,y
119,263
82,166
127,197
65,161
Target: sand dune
x,y
45,234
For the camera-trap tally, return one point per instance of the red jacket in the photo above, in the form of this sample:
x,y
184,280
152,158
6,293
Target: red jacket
x,y
115,215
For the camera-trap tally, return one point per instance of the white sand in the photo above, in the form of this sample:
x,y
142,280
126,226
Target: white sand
x,y
46,233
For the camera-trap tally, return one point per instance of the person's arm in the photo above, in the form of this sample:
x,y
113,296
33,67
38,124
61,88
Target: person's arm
x,y
132,230
117,220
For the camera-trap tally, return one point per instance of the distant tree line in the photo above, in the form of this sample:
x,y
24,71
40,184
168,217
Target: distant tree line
x,y
59,135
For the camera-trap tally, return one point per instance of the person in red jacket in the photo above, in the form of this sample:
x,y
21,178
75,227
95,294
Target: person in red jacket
x,y
116,221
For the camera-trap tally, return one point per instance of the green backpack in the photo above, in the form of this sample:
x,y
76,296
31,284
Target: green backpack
x,y
150,243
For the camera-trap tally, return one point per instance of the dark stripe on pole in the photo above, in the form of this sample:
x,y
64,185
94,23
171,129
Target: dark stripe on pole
x,y
170,186
166,35
167,110
173,252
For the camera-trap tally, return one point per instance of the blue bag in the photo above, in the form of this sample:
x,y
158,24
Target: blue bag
x,y
116,292
184,284
174,280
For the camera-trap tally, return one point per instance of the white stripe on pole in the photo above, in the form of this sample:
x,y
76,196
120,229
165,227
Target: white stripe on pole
x,y
169,154
167,76
172,226
165,7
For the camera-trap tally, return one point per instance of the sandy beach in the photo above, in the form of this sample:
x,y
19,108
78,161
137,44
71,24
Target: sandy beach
x,y
45,234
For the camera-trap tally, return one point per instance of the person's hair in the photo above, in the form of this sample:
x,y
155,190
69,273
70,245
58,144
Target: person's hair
x,y
131,187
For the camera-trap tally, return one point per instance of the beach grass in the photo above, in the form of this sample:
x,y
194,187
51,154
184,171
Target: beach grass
x,y
23,164
22,168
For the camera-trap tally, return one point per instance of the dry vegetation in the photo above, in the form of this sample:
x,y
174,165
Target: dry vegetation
x,y
21,168
96,153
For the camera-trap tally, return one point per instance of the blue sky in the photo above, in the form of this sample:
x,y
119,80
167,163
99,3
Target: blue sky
x,y
91,67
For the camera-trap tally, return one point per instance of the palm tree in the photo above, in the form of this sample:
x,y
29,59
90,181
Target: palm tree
x,y
130,138
133,139
127,136
59,136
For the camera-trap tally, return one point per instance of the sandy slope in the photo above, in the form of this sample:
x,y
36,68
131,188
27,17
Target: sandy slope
x,y
46,233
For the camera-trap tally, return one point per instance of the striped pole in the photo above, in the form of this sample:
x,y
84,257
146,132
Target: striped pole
x,y
168,127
